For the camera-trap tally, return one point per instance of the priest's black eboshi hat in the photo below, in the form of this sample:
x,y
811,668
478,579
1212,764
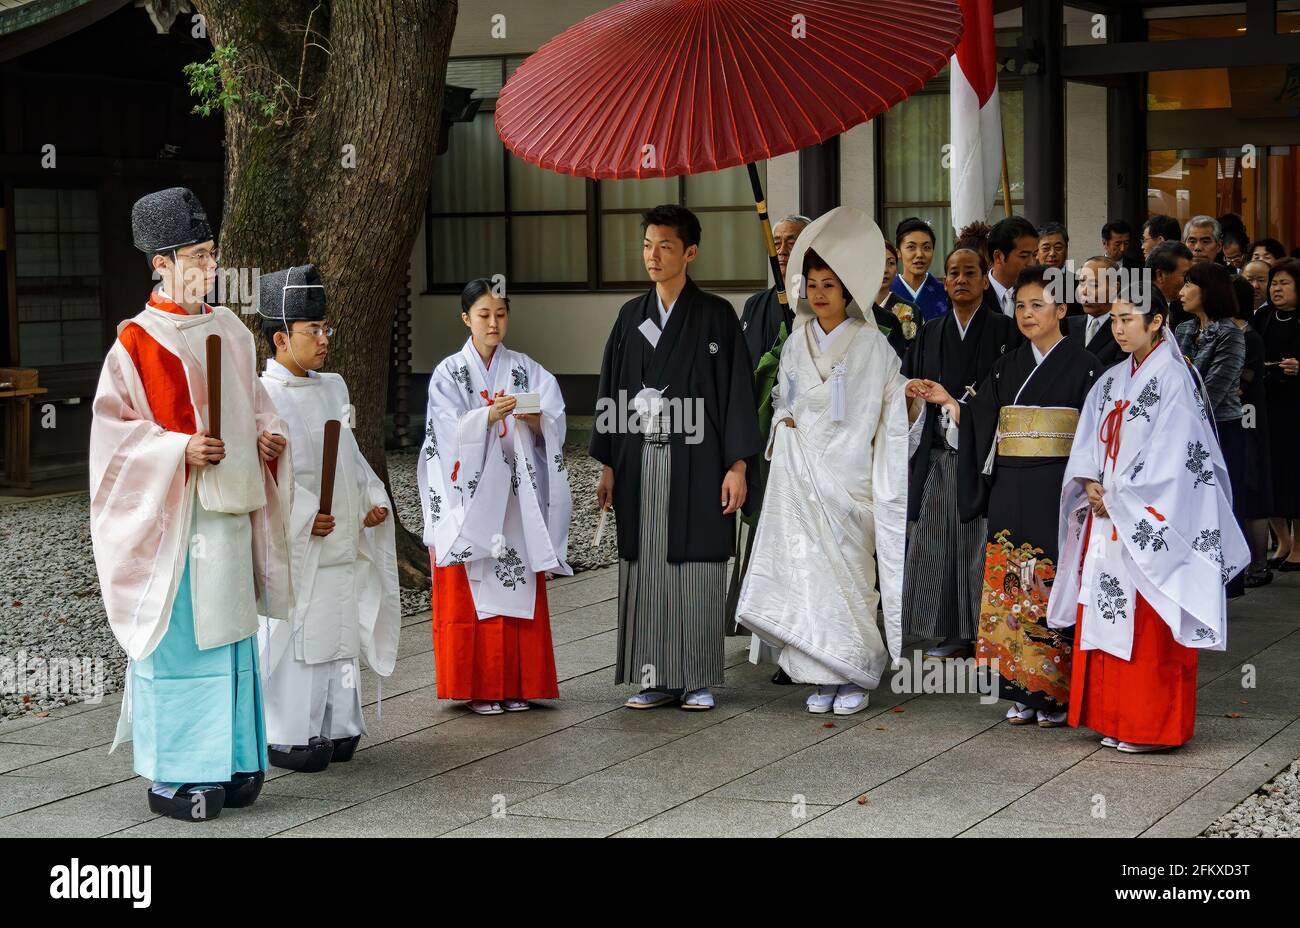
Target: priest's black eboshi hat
x,y
295,293
168,219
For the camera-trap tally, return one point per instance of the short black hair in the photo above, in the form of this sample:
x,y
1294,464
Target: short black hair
x,y
1271,245
1285,266
1217,297
1164,257
972,245
1003,235
1035,276
1054,228
1116,227
1245,294
678,217
913,224
271,325
815,262
1233,234
477,288
1162,226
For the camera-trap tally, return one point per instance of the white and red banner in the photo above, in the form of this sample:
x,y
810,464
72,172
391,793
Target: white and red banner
x,y
976,120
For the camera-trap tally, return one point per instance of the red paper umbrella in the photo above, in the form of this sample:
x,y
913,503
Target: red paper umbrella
x,y
658,88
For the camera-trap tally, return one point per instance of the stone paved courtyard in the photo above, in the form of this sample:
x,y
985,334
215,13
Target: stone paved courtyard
x,y
758,765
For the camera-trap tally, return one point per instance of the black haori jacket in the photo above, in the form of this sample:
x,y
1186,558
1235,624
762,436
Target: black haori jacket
x,y
701,356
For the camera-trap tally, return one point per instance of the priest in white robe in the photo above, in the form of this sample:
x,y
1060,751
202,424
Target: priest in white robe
x,y
187,523
835,504
346,598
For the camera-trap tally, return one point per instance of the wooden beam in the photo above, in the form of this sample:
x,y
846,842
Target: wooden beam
x,y
1084,61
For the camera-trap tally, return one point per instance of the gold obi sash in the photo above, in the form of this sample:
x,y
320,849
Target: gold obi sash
x,y
1036,431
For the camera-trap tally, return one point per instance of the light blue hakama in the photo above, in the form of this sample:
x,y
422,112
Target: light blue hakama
x,y
197,715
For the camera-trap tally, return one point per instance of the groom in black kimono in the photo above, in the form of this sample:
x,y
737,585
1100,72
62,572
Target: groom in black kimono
x,y
677,470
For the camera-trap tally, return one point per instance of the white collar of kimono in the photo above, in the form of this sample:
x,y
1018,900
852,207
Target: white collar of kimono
x,y
204,314
485,370
1040,356
278,370
848,241
915,294
826,339
663,311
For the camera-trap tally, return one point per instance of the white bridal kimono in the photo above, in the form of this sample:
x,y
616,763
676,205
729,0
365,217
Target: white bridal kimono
x,y
835,502
1170,534
495,499
346,599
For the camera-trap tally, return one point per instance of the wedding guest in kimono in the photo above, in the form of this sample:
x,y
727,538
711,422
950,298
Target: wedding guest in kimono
x,y
766,322
763,314
1217,348
188,523
836,495
1096,281
1014,438
677,470
944,571
495,489
346,601
1253,503
1012,247
895,318
914,283
1147,542
1278,323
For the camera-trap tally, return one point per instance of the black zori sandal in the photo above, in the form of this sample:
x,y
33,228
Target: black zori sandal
x,y
313,757
191,803
243,789
344,748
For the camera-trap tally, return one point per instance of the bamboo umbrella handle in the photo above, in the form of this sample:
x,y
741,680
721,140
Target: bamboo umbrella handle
x,y
329,461
213,345
760,204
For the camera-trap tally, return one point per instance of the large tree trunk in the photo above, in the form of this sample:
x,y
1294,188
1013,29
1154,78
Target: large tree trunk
x,y
337,176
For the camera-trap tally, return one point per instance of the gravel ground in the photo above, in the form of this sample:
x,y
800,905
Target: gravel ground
x,y
51,614
1273,811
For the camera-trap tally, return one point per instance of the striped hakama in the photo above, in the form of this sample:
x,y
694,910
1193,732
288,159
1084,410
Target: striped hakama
x,y
943,575
671,617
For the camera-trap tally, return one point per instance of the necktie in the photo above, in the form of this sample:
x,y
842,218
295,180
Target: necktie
x,y
1093,325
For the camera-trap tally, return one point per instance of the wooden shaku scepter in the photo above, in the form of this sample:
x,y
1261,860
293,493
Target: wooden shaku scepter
x,y
328,462
213,345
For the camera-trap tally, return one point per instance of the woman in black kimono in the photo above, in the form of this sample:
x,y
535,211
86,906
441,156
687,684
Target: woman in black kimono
x,y
1278,323
1029,405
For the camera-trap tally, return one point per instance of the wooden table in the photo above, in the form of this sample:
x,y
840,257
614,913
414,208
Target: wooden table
x,y
18,434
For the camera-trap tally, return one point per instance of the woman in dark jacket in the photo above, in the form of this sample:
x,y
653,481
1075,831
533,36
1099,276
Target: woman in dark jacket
x,y
1255,502
1217,349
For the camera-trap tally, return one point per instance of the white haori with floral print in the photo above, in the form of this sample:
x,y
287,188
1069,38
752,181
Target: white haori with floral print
x,y
495,497
1171,536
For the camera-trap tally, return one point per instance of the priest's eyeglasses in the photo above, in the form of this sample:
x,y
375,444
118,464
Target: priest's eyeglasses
x,y
202,256
316,331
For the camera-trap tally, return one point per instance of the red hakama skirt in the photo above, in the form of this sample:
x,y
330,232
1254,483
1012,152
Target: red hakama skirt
x,y
1149,699
490,659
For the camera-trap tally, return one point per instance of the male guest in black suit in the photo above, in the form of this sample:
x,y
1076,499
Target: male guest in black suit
x,y
1013,246
1097,282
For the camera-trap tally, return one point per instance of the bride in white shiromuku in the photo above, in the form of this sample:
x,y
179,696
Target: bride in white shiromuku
x,y
835,502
